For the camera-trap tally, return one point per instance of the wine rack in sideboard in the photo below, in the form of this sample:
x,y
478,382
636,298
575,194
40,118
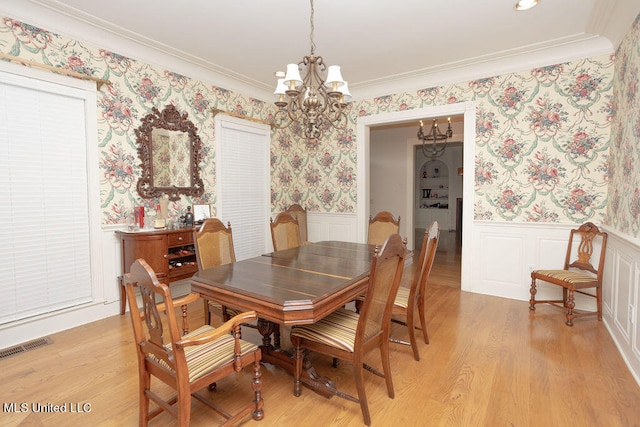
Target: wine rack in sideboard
x,y
170,253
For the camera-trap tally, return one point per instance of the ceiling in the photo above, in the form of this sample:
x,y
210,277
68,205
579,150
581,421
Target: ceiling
x,y
379,44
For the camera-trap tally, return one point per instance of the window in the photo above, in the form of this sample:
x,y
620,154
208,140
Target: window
x,y
243,183
45,205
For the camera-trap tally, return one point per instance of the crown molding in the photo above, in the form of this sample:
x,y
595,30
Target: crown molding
x,y
613,18
61,19
58,18
482,67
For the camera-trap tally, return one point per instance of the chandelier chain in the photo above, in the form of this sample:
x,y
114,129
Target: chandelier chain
x,y
313,44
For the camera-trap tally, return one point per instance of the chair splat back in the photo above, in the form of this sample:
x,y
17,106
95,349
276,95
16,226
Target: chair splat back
x,y
585,248
300,215
384,280
285,232
381,227
214,247
214,244
153,293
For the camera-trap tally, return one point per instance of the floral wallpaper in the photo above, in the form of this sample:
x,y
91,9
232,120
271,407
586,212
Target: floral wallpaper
x,y
542,144
136,88
623,212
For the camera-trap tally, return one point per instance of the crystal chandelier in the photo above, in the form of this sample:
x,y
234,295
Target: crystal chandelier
x,y
432,150
312,101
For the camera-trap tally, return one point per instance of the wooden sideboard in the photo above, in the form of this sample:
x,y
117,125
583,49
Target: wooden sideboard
x,y
170,253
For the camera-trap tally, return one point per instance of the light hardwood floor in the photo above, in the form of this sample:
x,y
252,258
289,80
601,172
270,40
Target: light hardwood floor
x,y
490,363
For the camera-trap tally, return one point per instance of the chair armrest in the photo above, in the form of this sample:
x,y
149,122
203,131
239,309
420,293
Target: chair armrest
x,y
187,299
220,331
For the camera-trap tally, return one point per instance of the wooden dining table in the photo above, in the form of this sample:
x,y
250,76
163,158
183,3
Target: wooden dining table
x,y
290,287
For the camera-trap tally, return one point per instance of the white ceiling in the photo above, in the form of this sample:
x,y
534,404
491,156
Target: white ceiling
x,y
378,43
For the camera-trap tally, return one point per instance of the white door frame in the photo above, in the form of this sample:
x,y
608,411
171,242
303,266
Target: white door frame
x,y
363,163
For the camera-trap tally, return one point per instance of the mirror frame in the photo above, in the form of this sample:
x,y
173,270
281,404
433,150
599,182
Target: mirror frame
x,y
169,119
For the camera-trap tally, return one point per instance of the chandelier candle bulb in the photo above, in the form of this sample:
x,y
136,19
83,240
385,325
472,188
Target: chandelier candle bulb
x,y
293,79
334,79
345,98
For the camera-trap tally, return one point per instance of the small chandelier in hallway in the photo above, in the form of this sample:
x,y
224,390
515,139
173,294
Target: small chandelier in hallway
x,y
312,101
434,150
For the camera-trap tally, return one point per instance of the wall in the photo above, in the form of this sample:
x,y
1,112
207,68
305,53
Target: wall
x,y
541,147
387,176
623,211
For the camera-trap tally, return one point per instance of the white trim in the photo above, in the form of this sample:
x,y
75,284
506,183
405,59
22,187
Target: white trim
x,y
477,68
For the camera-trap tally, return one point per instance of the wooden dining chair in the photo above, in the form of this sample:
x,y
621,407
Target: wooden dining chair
x,y
411,301
382,226
349,336
300,215
186,363
285,232
578,274
214,246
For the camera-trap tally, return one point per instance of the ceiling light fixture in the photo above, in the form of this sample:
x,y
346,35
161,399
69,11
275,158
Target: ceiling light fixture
x,y
526,4
434,135
312,101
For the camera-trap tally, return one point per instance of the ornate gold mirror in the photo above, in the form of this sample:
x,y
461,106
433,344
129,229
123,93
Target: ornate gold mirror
x,y
169,148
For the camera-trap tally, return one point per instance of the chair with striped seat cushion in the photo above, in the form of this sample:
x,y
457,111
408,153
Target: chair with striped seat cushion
x,y
576,275
349,336
214,246
411,301
185,362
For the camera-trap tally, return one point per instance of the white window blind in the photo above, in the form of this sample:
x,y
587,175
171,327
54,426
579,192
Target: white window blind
x,y
243,184
44,212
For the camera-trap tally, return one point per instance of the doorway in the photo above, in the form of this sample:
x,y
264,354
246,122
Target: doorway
x,y
364,167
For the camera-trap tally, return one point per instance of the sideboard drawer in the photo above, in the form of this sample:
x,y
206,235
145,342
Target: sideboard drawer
x,y
180,239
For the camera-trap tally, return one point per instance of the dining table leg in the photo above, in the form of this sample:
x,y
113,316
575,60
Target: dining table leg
x,y
284,359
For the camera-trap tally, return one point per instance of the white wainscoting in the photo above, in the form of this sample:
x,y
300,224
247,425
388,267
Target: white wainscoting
x,y
106,300
508,252
331,226
504,254
622,297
